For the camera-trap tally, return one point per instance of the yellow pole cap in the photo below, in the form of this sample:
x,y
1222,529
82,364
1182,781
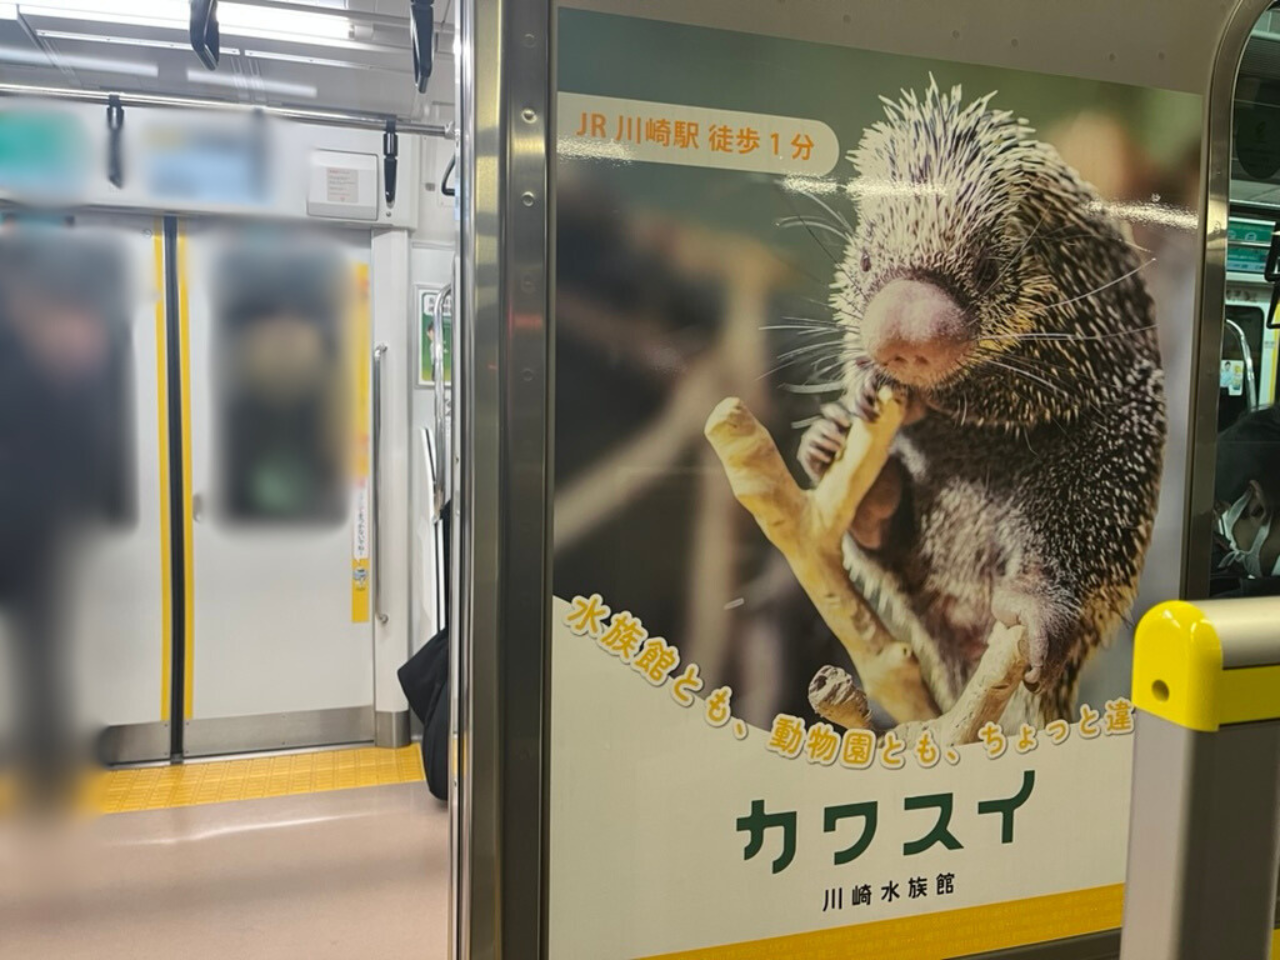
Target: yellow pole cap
x,y
1177,666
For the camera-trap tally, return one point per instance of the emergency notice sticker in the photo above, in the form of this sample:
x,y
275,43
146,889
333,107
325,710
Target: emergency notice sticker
x,y
608,128
342,185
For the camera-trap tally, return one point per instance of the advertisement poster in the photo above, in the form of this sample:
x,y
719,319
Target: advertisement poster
x,y
429,303
870,416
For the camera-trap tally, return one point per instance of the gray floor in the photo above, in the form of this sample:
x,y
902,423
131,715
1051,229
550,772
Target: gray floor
x,y
344,874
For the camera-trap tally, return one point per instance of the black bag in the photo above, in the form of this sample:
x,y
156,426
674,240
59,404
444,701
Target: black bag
x,y
425,681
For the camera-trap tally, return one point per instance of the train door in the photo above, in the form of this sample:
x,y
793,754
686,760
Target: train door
x,y
88,292
123,613
280,567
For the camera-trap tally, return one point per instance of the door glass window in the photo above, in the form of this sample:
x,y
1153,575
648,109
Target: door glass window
x,y
279,384
1246,540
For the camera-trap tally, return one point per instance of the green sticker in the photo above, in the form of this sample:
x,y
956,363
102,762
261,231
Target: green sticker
x,y
426,338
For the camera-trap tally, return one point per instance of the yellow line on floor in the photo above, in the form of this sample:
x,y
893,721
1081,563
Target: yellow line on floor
x,y
253,778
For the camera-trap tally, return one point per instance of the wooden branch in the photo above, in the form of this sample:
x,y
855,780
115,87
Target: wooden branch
x,y
808,528
985,696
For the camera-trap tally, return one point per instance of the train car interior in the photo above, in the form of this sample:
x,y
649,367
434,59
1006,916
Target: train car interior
x,y
278,630
228,249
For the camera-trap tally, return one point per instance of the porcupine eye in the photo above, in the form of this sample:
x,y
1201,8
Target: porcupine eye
x,y
987,273
866,262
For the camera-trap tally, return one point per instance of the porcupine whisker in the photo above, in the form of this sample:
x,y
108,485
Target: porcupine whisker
x,y
811,388
835,262
982,354
1049,335
801,353
1042,377
835,214
1061,236
825,370
821,304
831,342
1084,237
799,331
788,223
792,361
1022,249
1087,402
801,318
1025,373
1094,292
817,323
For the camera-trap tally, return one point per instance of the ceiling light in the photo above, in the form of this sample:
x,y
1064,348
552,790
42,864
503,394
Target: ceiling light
x,y
164,14
38,58
234,19
250,83
8,11
122,41
262,21
318,61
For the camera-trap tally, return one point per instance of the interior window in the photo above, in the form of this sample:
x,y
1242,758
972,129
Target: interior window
x,y
1246,548
280,385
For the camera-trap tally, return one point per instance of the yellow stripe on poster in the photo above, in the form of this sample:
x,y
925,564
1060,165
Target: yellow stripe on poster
x,y
940,936
360,404
162,454
188,558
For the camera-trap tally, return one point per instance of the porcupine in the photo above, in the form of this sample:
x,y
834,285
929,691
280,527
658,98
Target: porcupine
x,y
987,283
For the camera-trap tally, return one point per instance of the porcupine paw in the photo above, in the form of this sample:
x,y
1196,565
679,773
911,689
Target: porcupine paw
x,y
1047,630
823,440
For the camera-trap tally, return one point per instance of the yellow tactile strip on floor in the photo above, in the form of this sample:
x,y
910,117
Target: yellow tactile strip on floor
x,y
253,778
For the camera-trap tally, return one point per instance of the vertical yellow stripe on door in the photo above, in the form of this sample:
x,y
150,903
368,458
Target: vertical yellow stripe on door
x,y
188,564
162,455
361,354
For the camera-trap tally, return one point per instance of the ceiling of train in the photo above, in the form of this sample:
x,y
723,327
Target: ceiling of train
x,y
338,55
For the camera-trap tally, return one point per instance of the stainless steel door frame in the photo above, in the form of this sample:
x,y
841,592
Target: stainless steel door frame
x,y
504,442
1215,197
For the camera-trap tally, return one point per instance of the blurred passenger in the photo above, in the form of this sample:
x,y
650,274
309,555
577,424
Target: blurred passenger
x,y
61,323
1247,538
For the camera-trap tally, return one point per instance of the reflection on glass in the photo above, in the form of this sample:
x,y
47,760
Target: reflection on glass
x,y
280,386
1246,545
1247,490
1241,352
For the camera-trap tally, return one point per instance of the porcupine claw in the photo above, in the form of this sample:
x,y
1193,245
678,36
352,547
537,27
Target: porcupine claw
x,y
823,440
864,402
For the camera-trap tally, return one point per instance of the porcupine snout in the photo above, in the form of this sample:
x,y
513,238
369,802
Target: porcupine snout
x,y
916,332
